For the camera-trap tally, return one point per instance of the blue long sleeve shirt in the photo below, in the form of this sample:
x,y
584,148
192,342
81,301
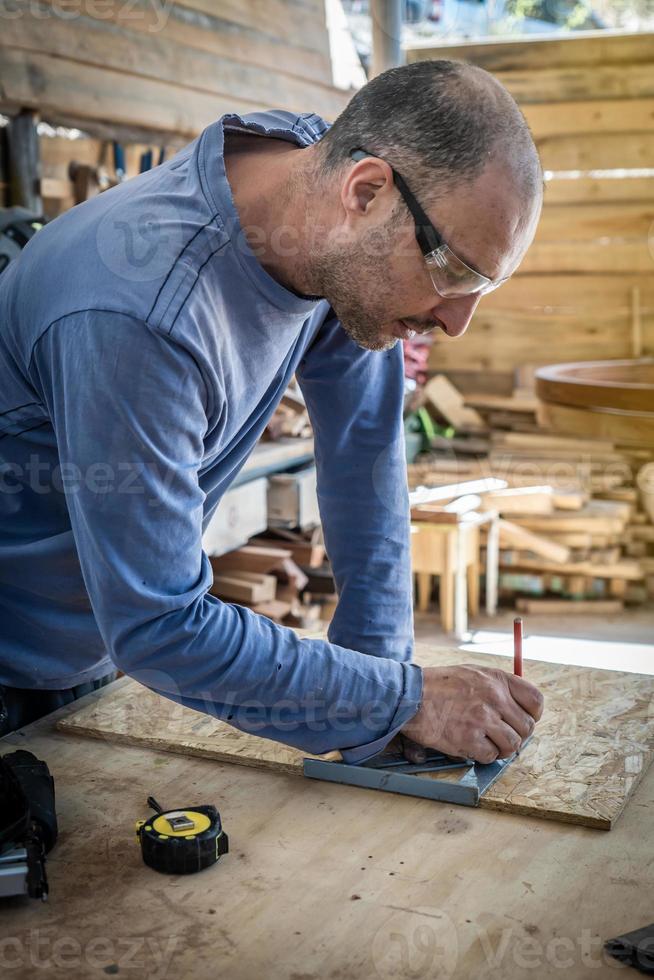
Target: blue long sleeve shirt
x,y
143,349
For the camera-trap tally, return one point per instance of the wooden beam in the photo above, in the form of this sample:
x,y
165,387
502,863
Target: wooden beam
x,y
245,587
300,22
24,164
602,254
4,168
590,49
514,536
506,340
586,519
447,402
562,607
627,569
65,89
597,151
107,45
309,554
561,85
492,403
562,294
520,500
591,116
593,237
250,558
588,189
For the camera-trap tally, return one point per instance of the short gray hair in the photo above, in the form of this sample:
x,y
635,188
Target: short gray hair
x,y
438,123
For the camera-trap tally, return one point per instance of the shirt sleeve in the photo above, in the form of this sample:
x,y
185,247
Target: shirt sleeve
x,y
355,400
130,411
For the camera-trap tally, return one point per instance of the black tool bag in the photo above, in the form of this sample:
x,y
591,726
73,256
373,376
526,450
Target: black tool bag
x,y
14,808
27,814
17,226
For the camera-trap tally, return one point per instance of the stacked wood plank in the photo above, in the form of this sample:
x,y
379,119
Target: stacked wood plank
x,y
591,562
318,592
574,523
265,577
517,412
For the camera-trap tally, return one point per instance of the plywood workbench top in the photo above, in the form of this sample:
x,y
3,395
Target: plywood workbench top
x,y
322,881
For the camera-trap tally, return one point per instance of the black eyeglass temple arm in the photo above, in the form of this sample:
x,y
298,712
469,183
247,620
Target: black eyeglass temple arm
x,y
427,236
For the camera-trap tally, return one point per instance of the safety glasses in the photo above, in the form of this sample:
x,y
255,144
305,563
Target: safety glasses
x,y
450,275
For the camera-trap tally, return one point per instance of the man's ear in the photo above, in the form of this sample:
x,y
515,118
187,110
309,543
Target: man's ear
x,y
366,182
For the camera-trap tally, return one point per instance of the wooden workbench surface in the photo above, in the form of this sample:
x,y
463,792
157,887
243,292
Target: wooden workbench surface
x,y
322,881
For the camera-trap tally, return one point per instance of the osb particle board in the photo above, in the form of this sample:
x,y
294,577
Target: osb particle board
x,y
589,751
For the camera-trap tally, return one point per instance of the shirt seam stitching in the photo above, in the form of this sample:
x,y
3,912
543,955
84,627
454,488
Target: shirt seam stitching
x,y
192,286
209,401
173,266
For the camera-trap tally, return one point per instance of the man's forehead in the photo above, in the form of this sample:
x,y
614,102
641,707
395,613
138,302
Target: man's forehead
x,y
486,224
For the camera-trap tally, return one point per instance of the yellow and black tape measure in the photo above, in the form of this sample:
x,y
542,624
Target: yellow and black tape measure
x,y
179,842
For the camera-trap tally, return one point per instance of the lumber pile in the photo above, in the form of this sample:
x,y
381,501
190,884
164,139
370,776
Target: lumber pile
x,y
576,517
267,580
517,412
283,575
574,553
447,404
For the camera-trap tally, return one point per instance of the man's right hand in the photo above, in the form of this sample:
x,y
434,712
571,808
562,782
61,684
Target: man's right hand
x,y
479,713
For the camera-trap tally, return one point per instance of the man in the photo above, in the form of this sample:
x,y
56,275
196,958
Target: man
x,y
147,336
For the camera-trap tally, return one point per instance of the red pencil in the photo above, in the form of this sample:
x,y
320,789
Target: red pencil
x,y
517,646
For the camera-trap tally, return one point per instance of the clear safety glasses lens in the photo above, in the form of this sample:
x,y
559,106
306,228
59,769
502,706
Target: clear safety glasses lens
x,y
452,277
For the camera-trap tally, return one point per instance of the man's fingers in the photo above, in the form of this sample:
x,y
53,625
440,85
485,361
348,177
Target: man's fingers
x,y
504,737
518,719
413,751
480,712
527,695
485,751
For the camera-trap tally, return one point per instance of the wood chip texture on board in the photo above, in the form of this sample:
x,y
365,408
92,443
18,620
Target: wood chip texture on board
x,y
589,751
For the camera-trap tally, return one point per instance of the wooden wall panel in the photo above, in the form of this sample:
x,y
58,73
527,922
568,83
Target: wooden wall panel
x,y
614,237
124,65
600,190
592,49
561,294
586,280
569,84
69,93
212,33
537,319
504,342
300,22
105,46
597,116
597,151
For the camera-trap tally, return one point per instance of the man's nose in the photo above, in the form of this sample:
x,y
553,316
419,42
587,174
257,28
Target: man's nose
x,y
456,313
